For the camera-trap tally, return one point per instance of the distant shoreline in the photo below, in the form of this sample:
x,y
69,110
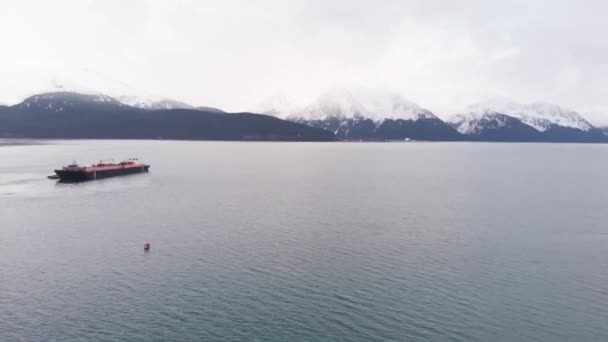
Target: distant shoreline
x,y
22,142
5,142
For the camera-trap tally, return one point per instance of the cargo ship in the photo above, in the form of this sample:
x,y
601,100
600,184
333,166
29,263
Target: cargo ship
x,y
75,172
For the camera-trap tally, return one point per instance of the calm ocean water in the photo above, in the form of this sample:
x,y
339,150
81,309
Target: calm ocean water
x,y
306,242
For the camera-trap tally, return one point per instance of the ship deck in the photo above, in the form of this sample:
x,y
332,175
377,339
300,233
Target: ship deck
x,y
113,167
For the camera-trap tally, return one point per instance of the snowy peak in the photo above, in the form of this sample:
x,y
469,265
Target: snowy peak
x,y
349,104
538,115
477,124
60,101
85,81
554,114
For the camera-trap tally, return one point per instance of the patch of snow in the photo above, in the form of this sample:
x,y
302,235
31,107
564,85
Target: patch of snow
x,y
466,123
153,103
104,99
473,123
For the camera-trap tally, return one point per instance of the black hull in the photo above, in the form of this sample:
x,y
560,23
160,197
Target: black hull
x,y
81,175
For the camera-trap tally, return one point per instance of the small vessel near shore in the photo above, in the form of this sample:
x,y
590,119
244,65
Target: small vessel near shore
x,y
74,172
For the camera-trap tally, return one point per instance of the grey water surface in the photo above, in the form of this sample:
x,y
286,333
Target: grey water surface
x,y
306,242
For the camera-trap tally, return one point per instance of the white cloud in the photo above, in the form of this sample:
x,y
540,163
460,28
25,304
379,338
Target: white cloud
x,y
234,54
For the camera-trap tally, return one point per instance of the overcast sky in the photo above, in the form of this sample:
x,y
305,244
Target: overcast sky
x,y
443,55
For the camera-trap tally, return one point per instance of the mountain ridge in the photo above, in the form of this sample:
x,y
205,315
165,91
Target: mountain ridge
x,y
347,117
60,115
351,118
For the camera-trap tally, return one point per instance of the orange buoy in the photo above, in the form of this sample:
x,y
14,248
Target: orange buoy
x,y
146,246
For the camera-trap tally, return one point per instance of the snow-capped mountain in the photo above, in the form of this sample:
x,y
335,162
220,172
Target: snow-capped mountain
x,y
61,101
502,120
362,114
355,103
538,115
88,82
51,99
